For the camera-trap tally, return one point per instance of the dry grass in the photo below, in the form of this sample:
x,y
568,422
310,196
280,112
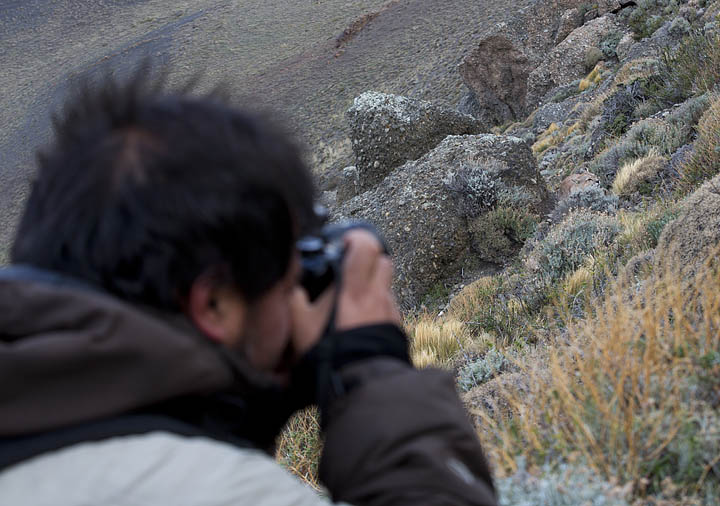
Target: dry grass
x,y
299,446
436,342
634,173
552,136
632,392
593,77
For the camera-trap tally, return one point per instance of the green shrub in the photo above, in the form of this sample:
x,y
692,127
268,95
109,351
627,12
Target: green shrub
x,y
609,44
592,56
655,226
566,485
568,244
481,370
593,198
692,69
643,24
499,233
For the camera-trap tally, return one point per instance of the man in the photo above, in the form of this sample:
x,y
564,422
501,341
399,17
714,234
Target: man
x,y
155,337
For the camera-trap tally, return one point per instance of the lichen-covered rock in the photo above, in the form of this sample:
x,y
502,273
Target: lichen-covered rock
x,y
389,130
423,208
569,21
687,241
566,62
496,72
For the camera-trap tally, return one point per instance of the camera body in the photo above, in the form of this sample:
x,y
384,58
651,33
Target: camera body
x,y
321,255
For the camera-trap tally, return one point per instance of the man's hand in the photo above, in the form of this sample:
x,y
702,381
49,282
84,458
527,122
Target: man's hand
x,y
365,296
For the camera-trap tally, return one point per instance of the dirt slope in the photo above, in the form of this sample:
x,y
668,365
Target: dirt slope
x,y
307,59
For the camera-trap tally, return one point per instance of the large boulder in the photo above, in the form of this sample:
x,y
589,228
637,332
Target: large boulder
x,y
389,130
688,241
426,208
566,62
496,72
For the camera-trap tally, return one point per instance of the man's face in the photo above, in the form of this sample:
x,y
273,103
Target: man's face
x,y
264,334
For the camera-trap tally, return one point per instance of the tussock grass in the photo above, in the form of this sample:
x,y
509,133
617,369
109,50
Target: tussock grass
x,y
436,342
555,135
632,392
550,137
634,173
592,109
593,77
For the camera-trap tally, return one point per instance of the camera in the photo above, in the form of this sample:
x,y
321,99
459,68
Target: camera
x,y
321,255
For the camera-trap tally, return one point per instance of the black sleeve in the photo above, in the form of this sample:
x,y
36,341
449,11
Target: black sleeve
x,y
395,435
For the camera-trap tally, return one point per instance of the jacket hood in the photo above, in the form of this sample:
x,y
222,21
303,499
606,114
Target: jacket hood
x,y
70,353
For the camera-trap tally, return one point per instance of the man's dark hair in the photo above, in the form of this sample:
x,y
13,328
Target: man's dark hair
x,y
143,190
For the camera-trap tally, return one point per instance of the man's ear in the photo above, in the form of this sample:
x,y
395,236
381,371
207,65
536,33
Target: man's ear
x,y
216,310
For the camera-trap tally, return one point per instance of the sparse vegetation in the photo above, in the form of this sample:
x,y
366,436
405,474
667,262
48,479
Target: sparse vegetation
x,y
692,69
704,162
593,198
567,245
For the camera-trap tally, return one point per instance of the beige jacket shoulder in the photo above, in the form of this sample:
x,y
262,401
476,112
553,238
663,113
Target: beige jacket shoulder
x,y
154,469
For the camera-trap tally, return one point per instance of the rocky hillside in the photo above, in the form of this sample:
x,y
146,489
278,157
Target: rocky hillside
x,y
557,238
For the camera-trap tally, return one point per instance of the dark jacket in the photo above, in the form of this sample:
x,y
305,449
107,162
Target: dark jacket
x,y
71,355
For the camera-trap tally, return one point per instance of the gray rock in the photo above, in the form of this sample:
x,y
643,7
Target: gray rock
x,y
348,184
569,21
552,113
566,62
417,209
388,130
624,46
496,71
470,105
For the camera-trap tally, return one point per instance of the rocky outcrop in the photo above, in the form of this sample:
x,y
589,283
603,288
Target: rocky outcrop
x,y
566,62
497,70
496,73
389,130
423,208
687,241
